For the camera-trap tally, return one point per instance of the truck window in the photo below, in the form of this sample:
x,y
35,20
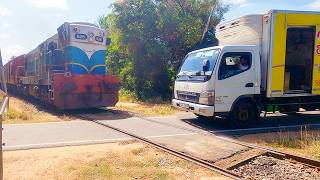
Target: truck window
x,y
234,63
198,65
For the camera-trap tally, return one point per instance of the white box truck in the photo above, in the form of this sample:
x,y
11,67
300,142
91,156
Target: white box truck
x,y
263,63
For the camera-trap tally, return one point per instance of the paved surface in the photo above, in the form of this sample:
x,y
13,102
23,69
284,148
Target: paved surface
x,y
37,135
28,136
176,131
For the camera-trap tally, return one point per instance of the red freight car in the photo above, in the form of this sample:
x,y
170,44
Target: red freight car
x,y
14,70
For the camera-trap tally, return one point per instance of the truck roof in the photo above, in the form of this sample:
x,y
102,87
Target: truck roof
x,y
292,11
223,47
251,16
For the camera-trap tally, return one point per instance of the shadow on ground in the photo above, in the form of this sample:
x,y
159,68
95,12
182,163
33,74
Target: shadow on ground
x,y
271,123
101,114
98,113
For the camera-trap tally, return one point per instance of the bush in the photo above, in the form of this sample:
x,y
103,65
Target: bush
x,y
149,40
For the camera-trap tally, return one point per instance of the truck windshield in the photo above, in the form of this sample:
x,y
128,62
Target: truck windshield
x,y
198,64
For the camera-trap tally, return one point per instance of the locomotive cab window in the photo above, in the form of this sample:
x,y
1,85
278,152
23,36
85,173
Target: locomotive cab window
x,y
234,63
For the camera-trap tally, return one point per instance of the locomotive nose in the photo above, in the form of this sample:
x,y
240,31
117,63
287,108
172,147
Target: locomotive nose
x,y
88,88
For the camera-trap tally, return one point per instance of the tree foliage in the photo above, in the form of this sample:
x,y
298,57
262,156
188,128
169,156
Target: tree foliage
x,y
151,37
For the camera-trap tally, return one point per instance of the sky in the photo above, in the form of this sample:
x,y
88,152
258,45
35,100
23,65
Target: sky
x,y
24,24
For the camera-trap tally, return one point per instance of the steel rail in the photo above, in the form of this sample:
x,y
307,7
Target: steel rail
x,y
301,159
187,157
227,172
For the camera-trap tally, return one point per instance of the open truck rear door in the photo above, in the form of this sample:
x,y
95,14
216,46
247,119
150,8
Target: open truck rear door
x,y
295,54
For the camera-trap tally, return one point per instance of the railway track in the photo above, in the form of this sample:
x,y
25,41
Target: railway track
x,y
243,165
238,165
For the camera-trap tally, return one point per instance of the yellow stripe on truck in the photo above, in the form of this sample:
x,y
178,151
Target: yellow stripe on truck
x,y
279,54
302,19
316,63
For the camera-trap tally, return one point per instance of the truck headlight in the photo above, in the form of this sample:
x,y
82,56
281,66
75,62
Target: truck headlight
x,y
207,98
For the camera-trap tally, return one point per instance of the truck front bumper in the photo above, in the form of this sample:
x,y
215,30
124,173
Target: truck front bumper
x,y
195,108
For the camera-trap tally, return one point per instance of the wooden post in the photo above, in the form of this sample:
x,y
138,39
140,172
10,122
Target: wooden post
x,y
1,153
3,107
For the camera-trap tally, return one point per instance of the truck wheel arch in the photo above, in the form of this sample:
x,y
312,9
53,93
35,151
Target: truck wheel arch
x,y
250,98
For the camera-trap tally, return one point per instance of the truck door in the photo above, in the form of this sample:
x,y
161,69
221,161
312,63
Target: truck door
x,y
295,28
316,64
235,77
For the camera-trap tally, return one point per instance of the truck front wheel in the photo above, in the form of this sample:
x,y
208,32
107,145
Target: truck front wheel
x,y
244,114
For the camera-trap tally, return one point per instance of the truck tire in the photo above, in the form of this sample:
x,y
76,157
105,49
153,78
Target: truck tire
x,y
244,114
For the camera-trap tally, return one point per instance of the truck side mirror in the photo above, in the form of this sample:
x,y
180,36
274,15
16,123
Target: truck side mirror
x,y
205,65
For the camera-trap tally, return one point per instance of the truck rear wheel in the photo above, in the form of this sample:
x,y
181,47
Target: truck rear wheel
x,y
244,114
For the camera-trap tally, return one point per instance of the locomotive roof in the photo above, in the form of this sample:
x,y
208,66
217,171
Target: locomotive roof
x,y
83,23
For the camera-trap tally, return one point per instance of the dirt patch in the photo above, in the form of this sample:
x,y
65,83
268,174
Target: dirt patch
x,y
108,161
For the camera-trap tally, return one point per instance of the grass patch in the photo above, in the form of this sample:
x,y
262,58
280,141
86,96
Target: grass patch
x,y
132,164
147,109
127,96
150,107
303,142
137,151
21,111
104,161
300,140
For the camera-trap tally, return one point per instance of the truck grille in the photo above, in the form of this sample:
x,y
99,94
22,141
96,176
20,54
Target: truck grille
x,y
188,96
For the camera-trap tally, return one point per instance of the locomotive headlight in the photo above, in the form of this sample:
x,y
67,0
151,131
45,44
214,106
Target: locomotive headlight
x,y
75,29
207,98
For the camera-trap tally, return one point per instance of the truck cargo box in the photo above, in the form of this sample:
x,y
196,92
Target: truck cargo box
x,y
289,44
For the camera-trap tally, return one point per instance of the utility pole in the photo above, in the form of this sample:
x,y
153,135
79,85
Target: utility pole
x,y
208,23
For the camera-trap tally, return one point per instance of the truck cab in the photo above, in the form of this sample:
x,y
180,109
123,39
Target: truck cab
x,y
211,81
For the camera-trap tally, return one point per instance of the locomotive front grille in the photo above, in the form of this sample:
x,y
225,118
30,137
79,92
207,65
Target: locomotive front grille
x,y
188,96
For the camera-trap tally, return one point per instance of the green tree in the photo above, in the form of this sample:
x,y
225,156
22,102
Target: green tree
x,y
151,37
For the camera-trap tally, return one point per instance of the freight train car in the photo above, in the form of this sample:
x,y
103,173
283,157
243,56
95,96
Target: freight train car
x,y
68,70
14,70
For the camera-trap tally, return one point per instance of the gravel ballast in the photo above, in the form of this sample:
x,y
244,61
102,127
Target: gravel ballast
x,y
266,167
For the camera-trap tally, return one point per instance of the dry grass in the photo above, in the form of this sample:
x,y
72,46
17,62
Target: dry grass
x,y
21,111
152,107
147,109
304,142
108,161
